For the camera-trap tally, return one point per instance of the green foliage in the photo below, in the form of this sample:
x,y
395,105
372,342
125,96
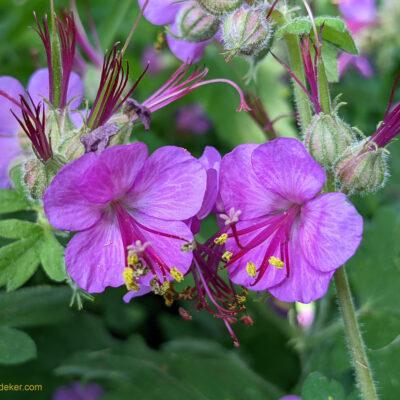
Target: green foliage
x,y
333,30
318,387
15,346
183,369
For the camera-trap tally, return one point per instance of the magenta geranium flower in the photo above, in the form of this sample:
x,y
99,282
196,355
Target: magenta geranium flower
x,y
359,15
290,238
79,391
127,205
165,12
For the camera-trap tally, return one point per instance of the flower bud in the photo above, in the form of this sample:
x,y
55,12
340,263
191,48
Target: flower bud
x,y
327,138
220,7
37,176
246,32
362,168
195,25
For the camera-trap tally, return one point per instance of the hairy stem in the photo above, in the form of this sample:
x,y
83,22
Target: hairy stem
x,y
355,341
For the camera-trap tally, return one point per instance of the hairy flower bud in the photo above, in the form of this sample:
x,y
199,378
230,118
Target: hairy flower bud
x,y
327,138
37,176
219,7
246,32
195,25
362,168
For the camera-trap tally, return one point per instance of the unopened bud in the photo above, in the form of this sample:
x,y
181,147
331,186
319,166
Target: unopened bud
x,y
246,32
195,25
220,7
37,176
362,168
327,138
247,320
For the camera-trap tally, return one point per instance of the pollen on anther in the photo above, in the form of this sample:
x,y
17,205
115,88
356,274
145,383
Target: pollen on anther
x,y
220,240
176,274
227,256
129,279
251,269
276,262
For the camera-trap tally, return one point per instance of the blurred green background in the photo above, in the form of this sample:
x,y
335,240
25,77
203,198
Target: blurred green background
x,y
146,349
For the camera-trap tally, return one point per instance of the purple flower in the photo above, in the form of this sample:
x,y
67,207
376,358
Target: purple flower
x,y
127,206
359,15
192,119
154,60
165,12
10,91
290,239
290,397
210,160
361,63
78,391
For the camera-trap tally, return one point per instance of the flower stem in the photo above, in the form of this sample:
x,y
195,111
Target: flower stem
x,y
355,341
296,65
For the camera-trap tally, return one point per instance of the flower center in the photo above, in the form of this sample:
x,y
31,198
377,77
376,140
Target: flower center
x,y
275,228
140,254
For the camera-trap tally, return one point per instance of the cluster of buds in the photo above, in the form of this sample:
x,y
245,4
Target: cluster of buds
x,y
246,27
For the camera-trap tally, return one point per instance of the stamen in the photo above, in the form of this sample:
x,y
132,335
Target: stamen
x,y
220,240
176,274
276,262
129,279
251,269
227,256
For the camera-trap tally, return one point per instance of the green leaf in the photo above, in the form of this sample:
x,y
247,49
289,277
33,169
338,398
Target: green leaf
x,y
11,201
16,229
19,261
318,387
330,59
35,306
15,346
52,257
185,369
334,30
375,277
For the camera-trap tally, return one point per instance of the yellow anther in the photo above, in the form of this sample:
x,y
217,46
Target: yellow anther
x,y
176,274
221,239
164,287
251,269
276,262
241,299
132,258
227,256
129,280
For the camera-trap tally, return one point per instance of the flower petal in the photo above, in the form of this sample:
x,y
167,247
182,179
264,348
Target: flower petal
x,y
95,258
75,91
10,149
241,188
113,173
38,88
166,248
330,231
65,206
285,167
8,124
188,52
210,160
237,271
304,284
160,12
170,186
